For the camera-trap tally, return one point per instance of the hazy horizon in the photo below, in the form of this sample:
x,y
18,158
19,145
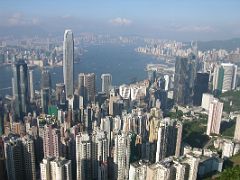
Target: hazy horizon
x,y
181,20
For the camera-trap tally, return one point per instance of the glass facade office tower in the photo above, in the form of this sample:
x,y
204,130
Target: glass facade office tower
x,y
200,87
106,82
185,72
45,90
20,88
46,79
68,58
87,87
152,76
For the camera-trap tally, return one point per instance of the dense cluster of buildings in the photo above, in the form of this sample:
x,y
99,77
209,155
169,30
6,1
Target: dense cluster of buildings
x,y
168,49
73,132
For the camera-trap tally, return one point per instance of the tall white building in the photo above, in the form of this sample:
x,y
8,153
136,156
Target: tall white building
x,y
99,155
31,85
45,168
214,117
206,99
106,82
167,82
224,78
55,169
138,91
121,156
216,75
61,169
138,170
179,127
227,149
237,130
191,169
180,170
87,87
157,171
68,59
125,91
230,75
84,156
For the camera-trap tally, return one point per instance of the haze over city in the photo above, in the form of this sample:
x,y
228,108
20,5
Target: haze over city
x,y
182,20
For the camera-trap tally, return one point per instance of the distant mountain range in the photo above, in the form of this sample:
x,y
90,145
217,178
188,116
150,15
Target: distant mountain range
x,y
22,31
32,30
230,44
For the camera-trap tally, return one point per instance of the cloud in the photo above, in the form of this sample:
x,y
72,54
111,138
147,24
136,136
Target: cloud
x,y
120,21
67,16
17,19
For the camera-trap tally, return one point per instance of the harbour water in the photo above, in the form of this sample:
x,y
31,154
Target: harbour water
x,y
121,61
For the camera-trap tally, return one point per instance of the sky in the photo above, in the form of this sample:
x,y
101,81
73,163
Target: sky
x,y
166,19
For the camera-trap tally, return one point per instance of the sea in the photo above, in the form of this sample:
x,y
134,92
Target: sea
x,y
121,60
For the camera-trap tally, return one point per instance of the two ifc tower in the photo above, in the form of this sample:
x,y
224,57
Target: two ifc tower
x,y
23,93
68,59
20,78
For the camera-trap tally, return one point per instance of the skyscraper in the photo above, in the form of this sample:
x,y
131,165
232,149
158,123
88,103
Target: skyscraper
x,y
138,170
3,173
157,171
237,130
200,87
125,91
218,79
191,167
51,142
1,117
99,155
45,90
46,81
45,168
20,158
14,158
169,139
29,157
90,85
60,94
31,85
179,127
68,59
87,87
230,75
224,78
214,117
179,168
106,82
84,156
185,72
151,76
81,84
121,156
20,88
56,168
61,169
206,100
45,99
